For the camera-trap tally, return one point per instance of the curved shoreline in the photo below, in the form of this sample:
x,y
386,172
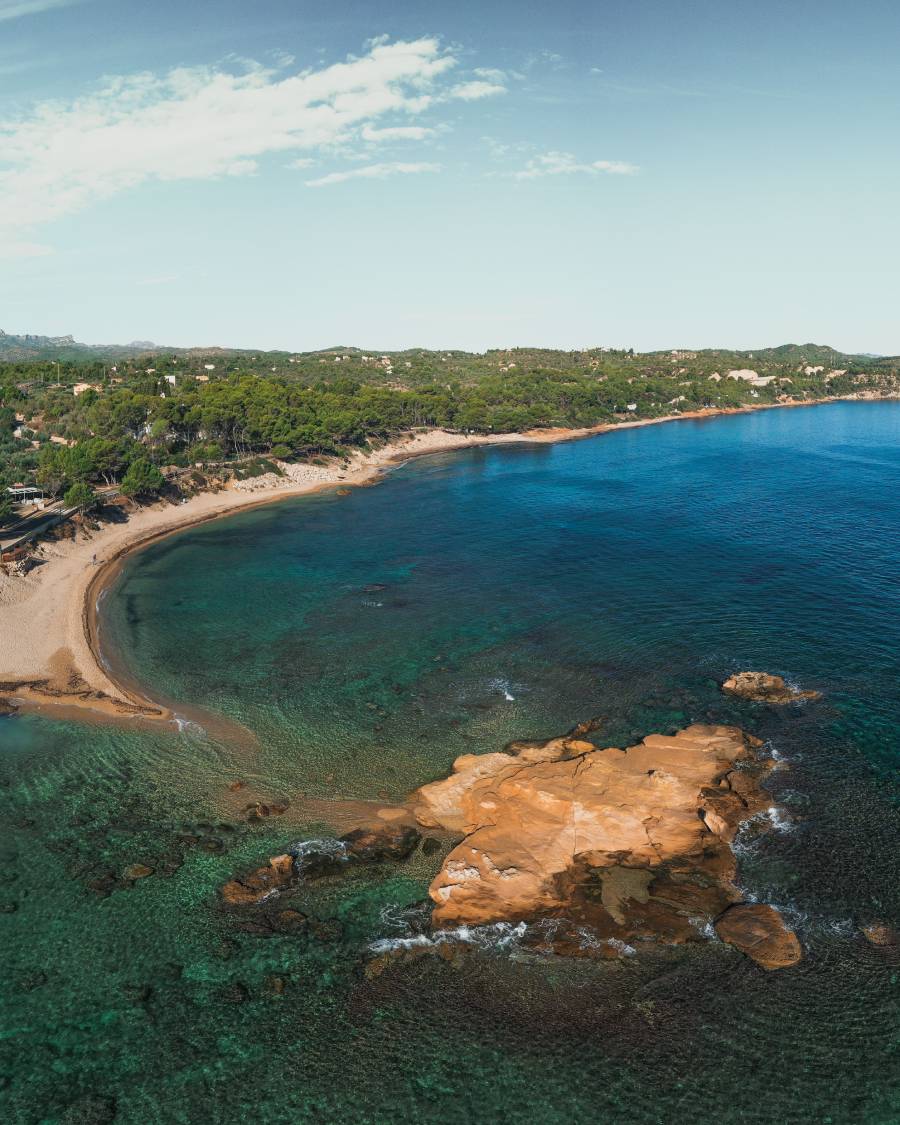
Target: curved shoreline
x,y
86,684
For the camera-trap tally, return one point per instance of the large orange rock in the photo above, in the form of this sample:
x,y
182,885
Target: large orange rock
x,y
759,931
763,688
633,843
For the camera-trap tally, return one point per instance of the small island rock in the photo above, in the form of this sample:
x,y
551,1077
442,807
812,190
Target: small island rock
x,y
764,688
630,845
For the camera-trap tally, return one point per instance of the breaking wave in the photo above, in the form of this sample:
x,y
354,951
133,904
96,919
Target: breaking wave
x,y
498,937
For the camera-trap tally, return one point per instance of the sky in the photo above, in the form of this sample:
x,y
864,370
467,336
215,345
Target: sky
x,y
299,174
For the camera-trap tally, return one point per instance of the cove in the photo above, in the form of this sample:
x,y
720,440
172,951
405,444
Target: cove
x,y
368,640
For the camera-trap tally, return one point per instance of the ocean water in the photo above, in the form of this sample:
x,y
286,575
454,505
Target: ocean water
x,y
358,644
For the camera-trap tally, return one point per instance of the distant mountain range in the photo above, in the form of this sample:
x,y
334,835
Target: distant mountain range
x,y
14,347
25,347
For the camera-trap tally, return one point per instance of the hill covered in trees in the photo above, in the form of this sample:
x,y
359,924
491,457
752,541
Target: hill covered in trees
x,y
87,417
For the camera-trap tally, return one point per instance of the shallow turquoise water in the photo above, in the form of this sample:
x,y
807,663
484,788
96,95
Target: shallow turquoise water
x,y
368,640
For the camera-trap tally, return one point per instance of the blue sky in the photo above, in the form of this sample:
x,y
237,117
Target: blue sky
x,y
646,173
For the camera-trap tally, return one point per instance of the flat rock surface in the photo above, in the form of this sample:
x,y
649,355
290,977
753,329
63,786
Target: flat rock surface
x,y
633,843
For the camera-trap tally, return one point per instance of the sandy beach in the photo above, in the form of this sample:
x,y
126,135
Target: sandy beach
x,y
51,656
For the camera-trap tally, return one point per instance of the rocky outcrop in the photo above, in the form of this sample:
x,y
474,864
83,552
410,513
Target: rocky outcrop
x,y
632,844
259,885
314,859
759,931
763,688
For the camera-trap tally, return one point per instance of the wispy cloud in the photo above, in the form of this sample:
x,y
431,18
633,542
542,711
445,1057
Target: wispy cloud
x,y
397,133
14,9
201,123
491,74
373,172
472,91
566,164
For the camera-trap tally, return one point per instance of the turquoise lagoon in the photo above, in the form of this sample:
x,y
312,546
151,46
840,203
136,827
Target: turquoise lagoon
x,y
364,642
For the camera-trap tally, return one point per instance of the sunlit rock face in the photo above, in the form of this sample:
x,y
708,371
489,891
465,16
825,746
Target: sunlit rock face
x,y
764,688
759,931
632,843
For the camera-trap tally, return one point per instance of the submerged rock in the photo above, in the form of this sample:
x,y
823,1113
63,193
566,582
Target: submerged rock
x,y
315,859
630,844
879,933
763,688
759,931
372,845
137,871
7,708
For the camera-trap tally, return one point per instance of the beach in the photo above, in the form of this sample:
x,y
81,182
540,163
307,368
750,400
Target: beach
x,y
469,607
51,655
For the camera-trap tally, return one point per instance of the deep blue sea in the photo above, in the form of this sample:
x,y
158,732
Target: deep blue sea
x,y
361,643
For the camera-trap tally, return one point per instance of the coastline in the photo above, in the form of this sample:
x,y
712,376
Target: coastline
x,y
53,661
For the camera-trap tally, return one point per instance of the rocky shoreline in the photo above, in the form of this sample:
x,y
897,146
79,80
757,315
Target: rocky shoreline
x,y
589,851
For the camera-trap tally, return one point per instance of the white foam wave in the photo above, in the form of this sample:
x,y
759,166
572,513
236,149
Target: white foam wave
x,y
779,819
504,688
497,937
324,846
188,726
622,947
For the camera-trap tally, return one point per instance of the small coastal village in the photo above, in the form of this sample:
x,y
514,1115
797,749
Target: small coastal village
x,y
87,433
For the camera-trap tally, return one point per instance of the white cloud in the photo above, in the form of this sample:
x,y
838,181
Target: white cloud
x,y
472,91
201,123
490,73
397,133
14,9
373,172
565,164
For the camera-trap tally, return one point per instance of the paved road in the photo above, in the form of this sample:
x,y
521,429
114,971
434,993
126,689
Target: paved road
x,y
37,522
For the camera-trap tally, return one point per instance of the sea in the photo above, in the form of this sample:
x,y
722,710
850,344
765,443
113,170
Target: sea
x,y
333,649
